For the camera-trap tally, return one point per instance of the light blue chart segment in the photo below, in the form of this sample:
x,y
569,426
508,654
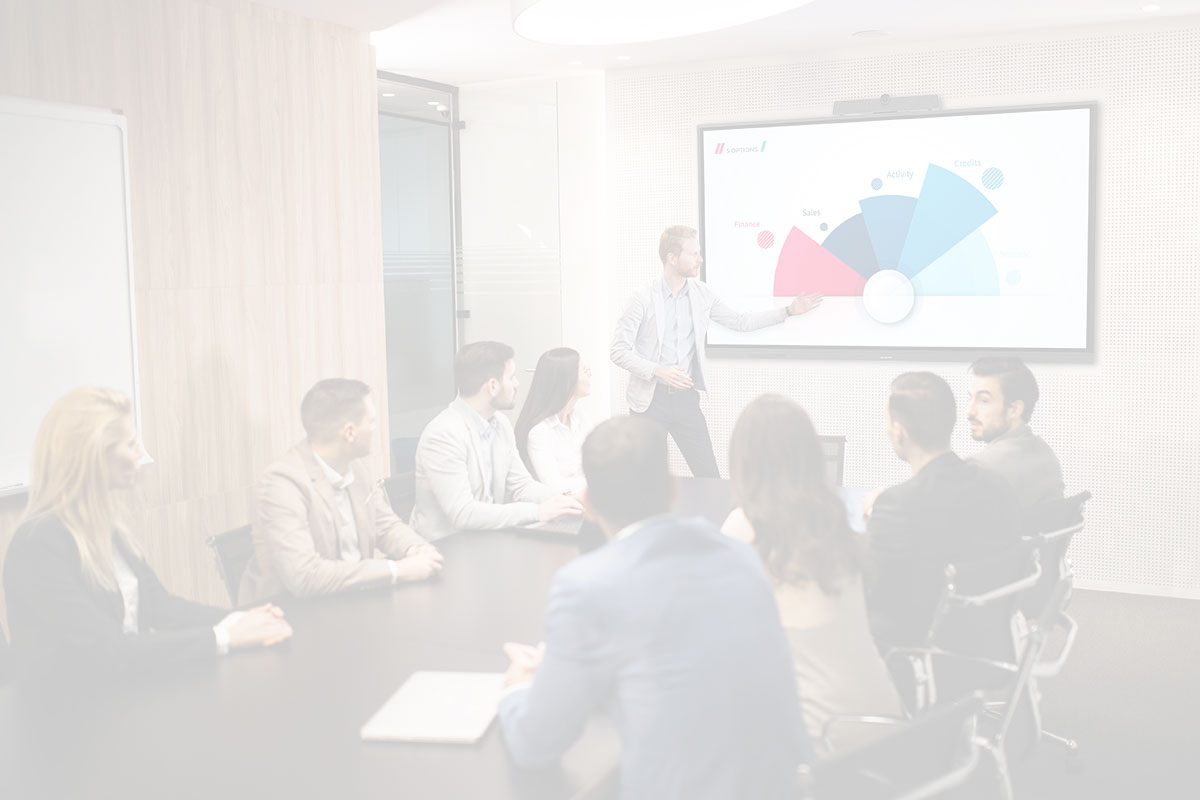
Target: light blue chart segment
x,y
967,269
948,210
888,218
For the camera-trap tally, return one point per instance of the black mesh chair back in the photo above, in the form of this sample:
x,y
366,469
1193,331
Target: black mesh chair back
x,y
1057,523
981,597
401,490
970,645
232,551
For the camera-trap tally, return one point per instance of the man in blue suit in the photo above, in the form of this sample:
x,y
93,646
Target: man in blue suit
x,y
671,628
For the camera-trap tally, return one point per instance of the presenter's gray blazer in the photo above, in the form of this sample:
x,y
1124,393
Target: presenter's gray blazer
x,y
637,343
674,632
450,482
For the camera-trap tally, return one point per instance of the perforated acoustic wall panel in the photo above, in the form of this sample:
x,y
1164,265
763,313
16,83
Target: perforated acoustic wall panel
x,y
1126,427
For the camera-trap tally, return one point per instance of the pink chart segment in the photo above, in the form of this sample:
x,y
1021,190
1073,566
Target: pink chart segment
x,y
805,267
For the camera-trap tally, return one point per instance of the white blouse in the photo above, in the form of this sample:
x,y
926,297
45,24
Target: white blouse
x,y
555,451
127,583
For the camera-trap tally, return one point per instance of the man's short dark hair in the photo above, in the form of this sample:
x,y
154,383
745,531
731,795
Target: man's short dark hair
x,y
479,362
1016,380
625,464
923,403
331,403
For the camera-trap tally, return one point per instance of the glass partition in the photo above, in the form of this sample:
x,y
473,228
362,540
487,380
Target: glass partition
x,y
418,155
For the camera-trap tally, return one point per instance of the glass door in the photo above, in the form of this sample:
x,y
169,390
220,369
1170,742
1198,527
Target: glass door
x,y
418,138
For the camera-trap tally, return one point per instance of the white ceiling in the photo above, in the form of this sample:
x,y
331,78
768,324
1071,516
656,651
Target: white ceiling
x,y
467,41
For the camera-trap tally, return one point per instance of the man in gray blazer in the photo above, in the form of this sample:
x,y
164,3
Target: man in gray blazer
x,y
1003,394
319,518
660,341
469,473
672,629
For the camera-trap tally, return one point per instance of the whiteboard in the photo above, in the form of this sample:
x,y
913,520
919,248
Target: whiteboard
x,y
66,288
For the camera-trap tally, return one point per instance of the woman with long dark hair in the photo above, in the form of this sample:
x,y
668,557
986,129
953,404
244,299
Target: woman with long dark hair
x,y
551,427
82,601
793,516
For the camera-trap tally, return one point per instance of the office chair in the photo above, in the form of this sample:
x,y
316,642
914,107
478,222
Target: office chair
x,y
1047,604
937,672
921,758
401,491
232,551
962,624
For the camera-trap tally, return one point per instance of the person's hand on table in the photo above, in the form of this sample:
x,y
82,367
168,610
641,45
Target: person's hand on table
x,y
560,505
260,626
419,563
525,660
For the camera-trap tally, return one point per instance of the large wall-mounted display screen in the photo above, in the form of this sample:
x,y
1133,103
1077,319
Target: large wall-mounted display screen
x,y
963,231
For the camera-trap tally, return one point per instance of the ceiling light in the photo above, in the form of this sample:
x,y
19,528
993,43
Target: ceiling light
x,y
574,63
870,34
389,94
1151,7
622,58
434,102
591,22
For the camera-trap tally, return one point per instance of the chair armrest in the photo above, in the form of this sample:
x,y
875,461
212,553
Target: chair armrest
x,y
1051,667
938,652
974,600
857,719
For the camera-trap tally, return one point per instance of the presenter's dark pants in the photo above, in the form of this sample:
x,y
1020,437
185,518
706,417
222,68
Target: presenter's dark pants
x,y
678,413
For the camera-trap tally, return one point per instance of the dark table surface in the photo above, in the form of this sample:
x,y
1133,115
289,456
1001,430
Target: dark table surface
x,y
285,722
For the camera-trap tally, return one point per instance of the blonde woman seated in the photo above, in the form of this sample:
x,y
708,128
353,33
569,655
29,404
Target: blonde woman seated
x,y
81,598
552,426
797,522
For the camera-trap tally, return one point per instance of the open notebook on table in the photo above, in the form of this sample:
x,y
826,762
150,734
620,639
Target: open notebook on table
x,y
445,707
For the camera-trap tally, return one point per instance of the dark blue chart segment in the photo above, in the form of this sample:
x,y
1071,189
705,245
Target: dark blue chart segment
x,y
966,270
851,243
948,210
888,219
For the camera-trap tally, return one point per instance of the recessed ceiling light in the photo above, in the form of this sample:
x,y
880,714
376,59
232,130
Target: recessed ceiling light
x,y
591,22
434,102
623,58
389,94
574,63
1151,7
441,107
870,34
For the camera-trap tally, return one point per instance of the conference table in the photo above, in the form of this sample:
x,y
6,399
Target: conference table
x,y
284,722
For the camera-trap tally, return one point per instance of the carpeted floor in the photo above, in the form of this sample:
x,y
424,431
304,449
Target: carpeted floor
x,y
1129,696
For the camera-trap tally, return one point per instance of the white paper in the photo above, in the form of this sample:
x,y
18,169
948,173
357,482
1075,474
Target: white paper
x,y
448,707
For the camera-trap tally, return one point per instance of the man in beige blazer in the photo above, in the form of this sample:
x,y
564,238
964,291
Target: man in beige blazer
x,y
469,474
319,518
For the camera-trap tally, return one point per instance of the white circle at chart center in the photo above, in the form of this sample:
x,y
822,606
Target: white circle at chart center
x,y
888,296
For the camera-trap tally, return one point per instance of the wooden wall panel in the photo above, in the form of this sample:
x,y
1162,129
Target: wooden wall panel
x,y
254,172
